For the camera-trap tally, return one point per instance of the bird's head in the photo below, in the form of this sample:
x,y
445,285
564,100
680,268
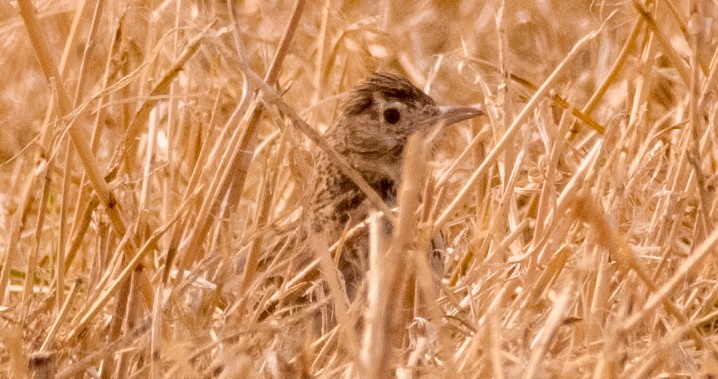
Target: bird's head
x,y
380,114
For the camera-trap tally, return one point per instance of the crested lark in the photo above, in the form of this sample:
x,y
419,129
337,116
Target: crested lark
x,y
371,132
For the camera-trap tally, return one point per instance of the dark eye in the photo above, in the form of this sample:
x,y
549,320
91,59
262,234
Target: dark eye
x,y
392,115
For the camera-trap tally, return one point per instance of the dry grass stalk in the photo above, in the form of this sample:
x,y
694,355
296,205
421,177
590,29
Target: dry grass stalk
x,y
579,215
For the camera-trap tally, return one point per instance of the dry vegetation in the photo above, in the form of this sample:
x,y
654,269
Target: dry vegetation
x,y
137,191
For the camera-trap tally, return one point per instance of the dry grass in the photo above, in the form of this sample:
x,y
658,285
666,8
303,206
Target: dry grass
x,y
139,192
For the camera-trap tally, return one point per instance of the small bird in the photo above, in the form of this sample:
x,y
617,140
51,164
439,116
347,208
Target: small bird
x,y
376,120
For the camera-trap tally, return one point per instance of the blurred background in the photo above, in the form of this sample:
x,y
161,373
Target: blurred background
x,y
580,250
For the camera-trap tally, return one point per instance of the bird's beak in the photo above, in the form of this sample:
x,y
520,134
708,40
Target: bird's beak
x,y
453,114
450,115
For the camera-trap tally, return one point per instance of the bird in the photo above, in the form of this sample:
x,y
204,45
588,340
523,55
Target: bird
x,y
374,124
371,132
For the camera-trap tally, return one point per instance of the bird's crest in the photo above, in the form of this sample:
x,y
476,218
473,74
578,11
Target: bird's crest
x,y
388,87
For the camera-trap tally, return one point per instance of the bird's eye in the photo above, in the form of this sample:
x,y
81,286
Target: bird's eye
x,y
391,115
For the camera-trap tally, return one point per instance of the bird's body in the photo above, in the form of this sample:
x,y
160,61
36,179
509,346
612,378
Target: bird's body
x,y
371,132
376,120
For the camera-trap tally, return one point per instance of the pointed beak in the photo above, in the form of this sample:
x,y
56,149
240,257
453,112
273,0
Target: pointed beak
x,y
452,114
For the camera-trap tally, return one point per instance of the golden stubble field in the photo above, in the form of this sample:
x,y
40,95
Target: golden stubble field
x,y
152,151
